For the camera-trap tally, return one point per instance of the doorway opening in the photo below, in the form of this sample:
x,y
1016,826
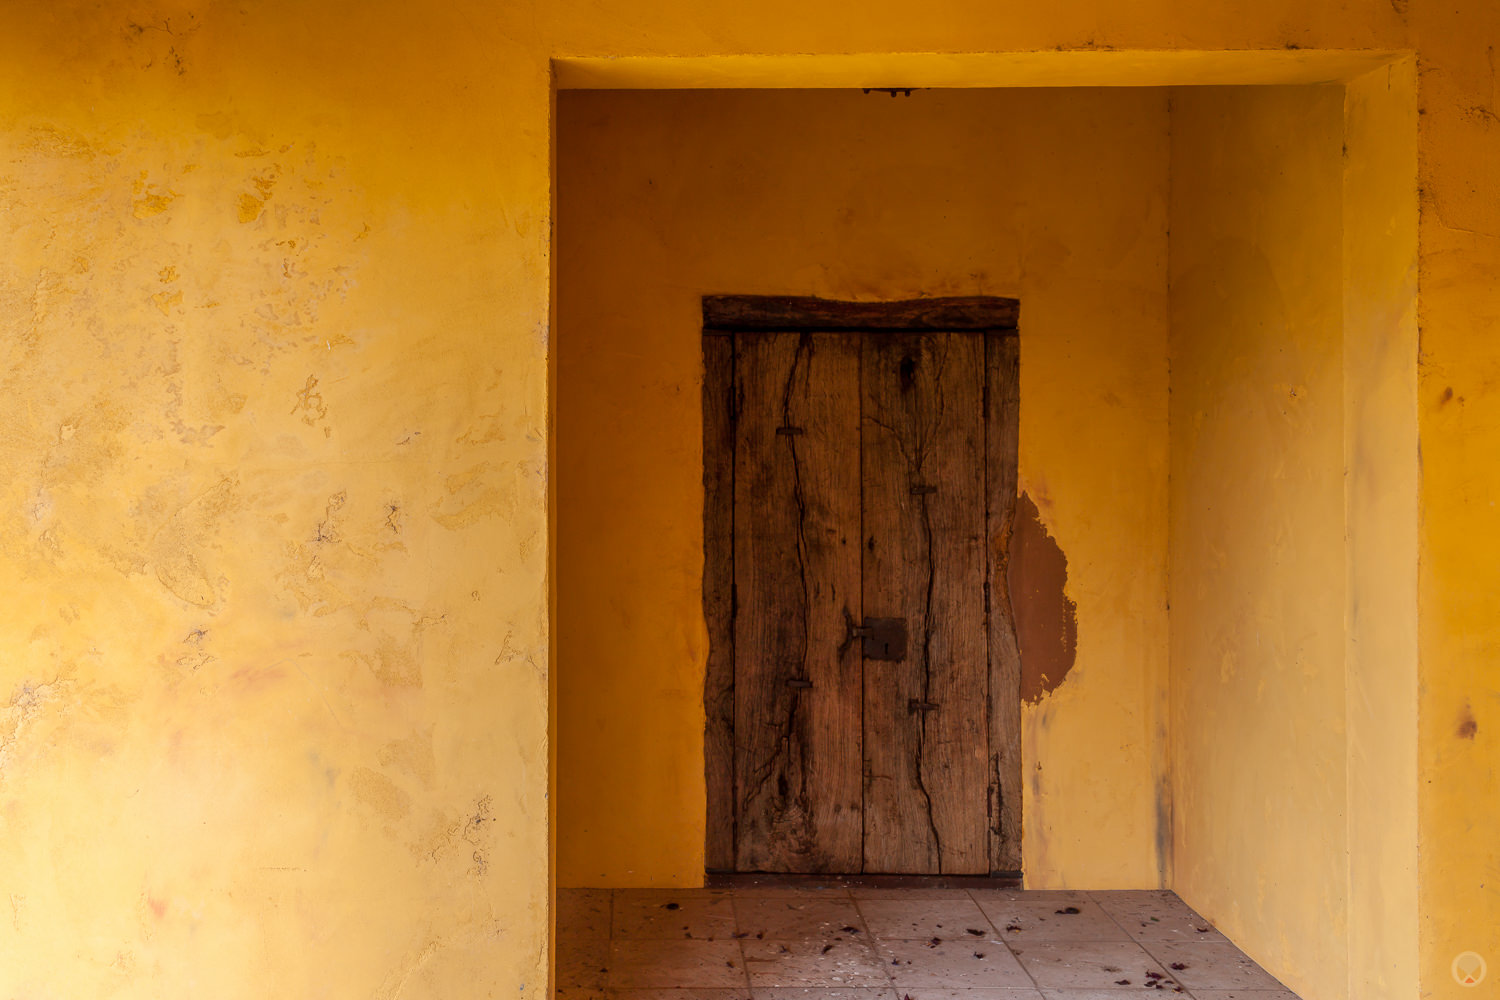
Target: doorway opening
x,y
1055,198
1216,413
863,679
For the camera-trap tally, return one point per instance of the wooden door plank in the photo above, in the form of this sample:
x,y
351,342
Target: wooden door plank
x,y
797,574
718,610
926,729
1002,428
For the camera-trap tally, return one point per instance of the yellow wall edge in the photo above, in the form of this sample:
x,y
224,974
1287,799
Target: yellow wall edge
x,y
1051,68
1381,516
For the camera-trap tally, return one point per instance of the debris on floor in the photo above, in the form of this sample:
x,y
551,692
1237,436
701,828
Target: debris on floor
x,y
831,943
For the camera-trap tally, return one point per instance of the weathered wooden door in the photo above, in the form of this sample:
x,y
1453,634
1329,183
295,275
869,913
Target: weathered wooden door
x,y
797,573
863,685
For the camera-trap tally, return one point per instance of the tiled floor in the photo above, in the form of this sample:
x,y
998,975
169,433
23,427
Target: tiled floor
x,y
894,944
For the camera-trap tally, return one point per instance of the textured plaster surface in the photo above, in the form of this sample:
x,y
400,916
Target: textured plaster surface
x,y
154,816
1257,542
1294,518
273,681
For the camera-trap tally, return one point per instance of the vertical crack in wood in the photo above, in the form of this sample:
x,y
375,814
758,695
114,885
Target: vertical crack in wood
x,y
937,843
785,760
995,801
864,750
919,450
804,344
735,405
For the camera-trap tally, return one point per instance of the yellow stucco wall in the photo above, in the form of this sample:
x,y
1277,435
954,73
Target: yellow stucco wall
x,y
1057,197
273,680
1459,419
1381,515
1257,527
1293,530
437,125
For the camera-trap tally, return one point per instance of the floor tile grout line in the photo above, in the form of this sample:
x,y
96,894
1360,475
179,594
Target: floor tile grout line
x,y
874,944
1176,981
1164,963
1196,917
999,936
1123,930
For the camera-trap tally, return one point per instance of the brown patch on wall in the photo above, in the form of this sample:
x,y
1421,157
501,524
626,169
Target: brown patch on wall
x,y
1468,726
1046,620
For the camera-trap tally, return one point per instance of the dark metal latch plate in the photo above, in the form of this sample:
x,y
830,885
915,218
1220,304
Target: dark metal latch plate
x,y
883,638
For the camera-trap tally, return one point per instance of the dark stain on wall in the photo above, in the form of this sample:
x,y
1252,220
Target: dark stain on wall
x,y
1468,726
1046,620
1164,822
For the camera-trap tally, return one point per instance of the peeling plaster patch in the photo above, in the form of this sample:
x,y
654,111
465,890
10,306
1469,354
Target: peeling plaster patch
x,y
249,208
178,546
412,755
394,984
509,651
1468,726
380,793
151,198
151,204
392,663
485,430
195,656
474,834
164,301
1046,620
25,704
50,141
310,402
41,505
328,529
472,498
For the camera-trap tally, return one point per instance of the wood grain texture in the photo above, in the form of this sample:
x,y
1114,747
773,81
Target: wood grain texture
x,y
802,313
926,731
797,574
1002,427
718,606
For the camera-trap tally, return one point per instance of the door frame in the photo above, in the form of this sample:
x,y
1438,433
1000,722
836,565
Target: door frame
x,y
998,320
